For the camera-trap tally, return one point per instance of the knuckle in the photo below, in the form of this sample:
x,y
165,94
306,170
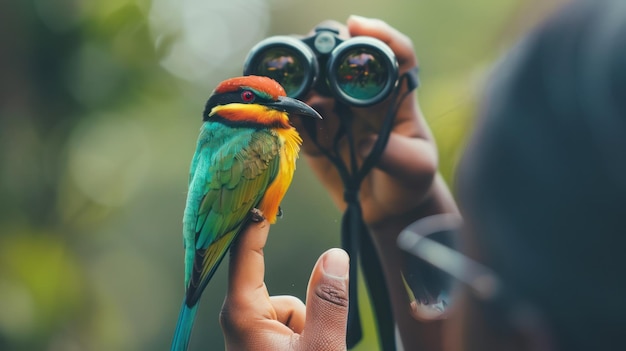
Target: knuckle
x,y
334,293
230,321
225,319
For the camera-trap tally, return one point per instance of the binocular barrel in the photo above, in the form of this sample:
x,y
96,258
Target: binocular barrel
x,y
360,71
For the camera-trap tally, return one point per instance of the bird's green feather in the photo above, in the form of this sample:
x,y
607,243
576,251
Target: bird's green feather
x,y
233,169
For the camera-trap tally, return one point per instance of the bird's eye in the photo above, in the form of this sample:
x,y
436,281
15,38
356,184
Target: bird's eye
x,y
247,96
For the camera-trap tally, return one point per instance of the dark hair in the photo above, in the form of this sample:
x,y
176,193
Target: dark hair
x,y
544,177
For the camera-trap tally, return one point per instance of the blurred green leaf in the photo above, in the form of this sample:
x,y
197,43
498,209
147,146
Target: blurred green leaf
x,y
41,286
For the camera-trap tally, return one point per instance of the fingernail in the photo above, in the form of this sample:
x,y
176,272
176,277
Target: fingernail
x,y
336,264
357,17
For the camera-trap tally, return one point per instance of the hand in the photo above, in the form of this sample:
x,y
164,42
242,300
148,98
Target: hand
x,y
402,187
253,320
404,175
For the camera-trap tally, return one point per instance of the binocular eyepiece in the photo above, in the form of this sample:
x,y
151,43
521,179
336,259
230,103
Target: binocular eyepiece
x,y
360,71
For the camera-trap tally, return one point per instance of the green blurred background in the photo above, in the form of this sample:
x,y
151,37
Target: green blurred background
x,y
100,106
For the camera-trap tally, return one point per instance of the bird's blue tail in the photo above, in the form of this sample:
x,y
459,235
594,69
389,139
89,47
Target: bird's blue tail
x,y
182,334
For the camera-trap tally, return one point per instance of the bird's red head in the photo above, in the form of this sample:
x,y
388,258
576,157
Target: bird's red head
x,y
254,101
263,85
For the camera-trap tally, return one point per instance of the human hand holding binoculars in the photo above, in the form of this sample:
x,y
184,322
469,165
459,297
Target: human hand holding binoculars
x,y
348,73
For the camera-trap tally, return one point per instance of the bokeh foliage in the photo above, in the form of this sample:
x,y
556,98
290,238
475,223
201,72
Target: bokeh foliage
x,y
99,111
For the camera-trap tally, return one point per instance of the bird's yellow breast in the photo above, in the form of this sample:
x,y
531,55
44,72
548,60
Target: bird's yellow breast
x,y
274,194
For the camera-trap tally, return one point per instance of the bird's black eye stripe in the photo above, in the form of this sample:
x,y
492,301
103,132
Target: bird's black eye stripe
x,y
229,98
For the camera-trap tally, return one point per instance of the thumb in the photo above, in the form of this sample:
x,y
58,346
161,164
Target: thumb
x,y
327,303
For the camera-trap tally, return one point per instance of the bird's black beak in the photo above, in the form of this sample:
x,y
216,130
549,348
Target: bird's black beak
x,y
293,107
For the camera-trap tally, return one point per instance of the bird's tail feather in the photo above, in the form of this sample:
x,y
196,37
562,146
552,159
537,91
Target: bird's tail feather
x,y
182,334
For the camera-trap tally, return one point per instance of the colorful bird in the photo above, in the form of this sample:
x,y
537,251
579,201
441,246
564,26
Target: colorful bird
x,y
243,164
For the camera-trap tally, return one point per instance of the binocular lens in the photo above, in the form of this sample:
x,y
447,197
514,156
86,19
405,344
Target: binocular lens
x,y
284,66
431,287
432,264
361,74
285,59
362,71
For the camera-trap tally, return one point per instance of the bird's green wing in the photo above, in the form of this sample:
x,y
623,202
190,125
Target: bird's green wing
x,y
239,174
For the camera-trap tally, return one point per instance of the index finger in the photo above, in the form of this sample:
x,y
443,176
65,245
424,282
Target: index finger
x,y
247,264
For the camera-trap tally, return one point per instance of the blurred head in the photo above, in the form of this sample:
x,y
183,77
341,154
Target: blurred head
x,y
543,183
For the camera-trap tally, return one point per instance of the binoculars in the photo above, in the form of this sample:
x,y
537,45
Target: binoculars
x,y
360,71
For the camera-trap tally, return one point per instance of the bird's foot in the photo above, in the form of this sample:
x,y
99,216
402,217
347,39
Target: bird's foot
x,y
280,212
256,215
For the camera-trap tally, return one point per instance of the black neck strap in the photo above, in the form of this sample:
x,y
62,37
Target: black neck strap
x,y
355,238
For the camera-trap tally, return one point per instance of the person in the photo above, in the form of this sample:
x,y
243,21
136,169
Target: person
x,y
540,188
403,187
542,185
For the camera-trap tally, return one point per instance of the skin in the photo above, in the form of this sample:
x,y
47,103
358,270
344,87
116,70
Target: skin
x,y
252,320
403,187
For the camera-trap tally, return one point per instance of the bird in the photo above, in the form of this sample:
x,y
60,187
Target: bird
x,y
243,164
